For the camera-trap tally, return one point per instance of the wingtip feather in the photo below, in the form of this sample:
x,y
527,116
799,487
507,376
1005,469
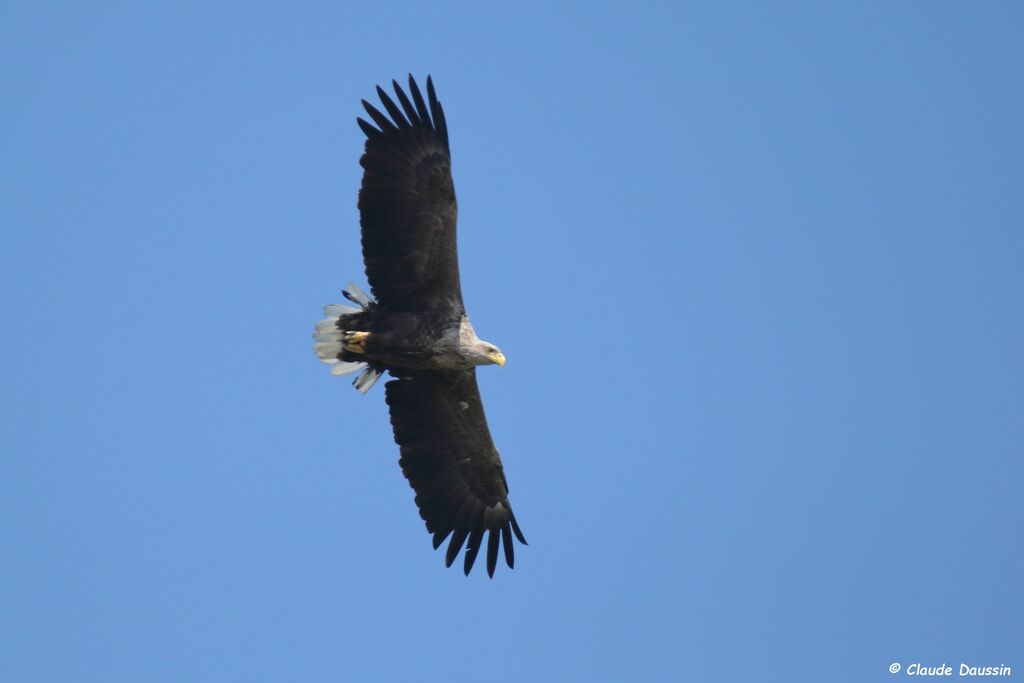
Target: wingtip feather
x,y
472,548
439,537
393,110
492,550
517,530
407,106
382,121
417,98
369,130
506,540
454,546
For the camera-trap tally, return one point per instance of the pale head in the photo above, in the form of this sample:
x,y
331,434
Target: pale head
x,y
475,349
486,353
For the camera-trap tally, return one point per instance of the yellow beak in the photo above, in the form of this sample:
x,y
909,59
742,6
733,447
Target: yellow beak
x,y
498,358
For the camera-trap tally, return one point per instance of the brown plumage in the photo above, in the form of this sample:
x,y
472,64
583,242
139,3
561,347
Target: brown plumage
x,y
418,331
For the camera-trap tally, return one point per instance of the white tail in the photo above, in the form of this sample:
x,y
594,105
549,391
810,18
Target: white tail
x,y
356,295
365,381
329,334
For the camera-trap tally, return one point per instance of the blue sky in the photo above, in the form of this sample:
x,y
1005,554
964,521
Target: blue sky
x,y
757,271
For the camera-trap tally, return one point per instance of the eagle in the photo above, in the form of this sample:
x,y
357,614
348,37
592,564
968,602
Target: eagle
x,y
415,328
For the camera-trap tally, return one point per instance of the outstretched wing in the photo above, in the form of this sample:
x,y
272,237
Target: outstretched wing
x,y
407,204
451,462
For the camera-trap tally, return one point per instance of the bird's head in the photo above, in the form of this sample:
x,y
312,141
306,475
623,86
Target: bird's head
x,y
487,353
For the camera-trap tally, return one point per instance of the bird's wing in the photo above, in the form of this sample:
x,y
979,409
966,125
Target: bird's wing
x,y
450,461
407,204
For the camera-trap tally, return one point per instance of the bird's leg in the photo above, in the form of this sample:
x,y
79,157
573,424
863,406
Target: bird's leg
x,y
354,342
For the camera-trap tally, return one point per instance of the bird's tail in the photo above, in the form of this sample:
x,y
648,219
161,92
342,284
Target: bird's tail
x,y
333,336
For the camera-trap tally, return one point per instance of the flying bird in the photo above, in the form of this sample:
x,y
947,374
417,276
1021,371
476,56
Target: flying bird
x,y
416,329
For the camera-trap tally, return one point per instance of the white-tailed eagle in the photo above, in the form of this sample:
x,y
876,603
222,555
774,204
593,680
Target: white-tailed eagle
x,y
416,329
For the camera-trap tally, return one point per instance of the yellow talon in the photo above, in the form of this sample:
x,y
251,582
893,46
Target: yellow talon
x,y
355,342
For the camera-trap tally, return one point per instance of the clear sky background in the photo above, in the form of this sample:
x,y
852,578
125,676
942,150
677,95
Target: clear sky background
x,y
757,271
